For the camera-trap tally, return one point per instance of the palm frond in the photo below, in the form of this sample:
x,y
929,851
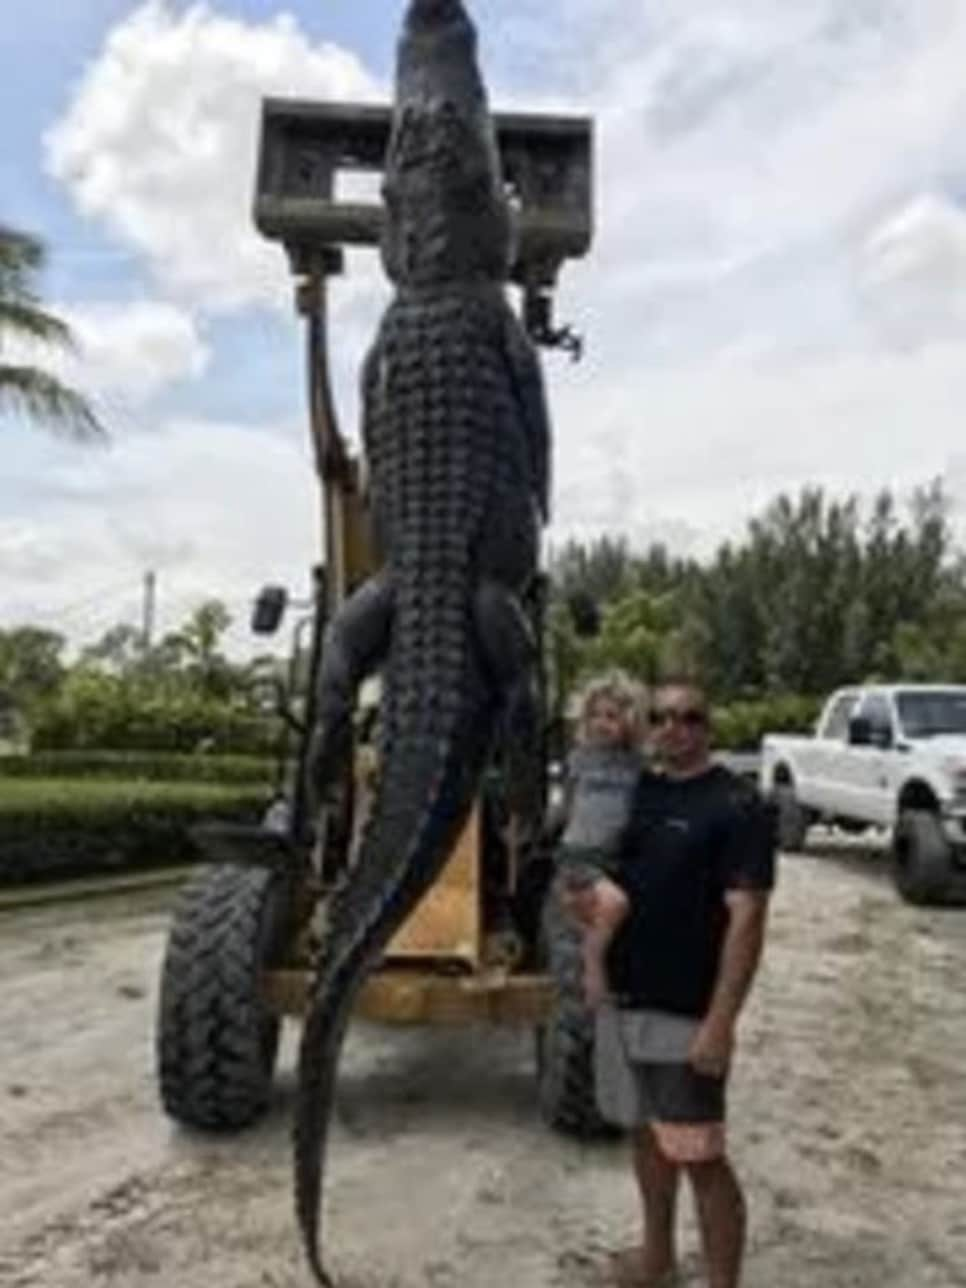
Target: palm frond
x,y
27,390
26,319
21,257
20,252
33,393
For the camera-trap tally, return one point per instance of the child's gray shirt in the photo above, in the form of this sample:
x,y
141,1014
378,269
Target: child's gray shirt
x,y
601,782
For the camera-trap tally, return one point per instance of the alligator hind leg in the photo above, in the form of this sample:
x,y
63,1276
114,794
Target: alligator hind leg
x,y
356,643
510,655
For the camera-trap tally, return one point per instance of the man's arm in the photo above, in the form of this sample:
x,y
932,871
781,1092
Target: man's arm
x,y
740,955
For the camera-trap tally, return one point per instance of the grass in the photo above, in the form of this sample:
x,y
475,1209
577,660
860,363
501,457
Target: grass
x,y
160,766
45,797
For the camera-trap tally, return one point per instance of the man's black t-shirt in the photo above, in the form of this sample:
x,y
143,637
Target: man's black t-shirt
x,y
687,842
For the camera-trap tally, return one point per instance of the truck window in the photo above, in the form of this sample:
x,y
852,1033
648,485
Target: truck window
x,y
924,715
875,708
837,720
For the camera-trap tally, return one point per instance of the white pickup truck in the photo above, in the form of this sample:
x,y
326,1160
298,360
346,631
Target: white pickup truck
x,y
891,756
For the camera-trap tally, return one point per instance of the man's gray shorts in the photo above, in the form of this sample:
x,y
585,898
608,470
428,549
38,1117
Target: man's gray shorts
x,y
643,1076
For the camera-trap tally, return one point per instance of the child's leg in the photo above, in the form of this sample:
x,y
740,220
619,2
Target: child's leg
x,y
610,910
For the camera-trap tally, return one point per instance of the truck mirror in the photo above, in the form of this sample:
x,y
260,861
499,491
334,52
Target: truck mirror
x,y
881,736
269,609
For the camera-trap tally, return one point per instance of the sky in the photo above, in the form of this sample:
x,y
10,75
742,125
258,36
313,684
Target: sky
x,y
775,296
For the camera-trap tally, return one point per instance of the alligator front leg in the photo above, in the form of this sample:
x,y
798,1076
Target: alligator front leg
x,y
510,655
356,643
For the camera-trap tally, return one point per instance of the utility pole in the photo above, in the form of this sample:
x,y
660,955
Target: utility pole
x,y
148,609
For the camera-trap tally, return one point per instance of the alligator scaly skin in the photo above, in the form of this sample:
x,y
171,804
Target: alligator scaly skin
x,y
456,439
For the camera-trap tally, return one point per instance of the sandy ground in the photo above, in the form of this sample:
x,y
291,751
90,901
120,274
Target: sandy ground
x,y
848,1111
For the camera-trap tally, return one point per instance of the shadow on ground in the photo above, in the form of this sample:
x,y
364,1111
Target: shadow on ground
x,y
392,1080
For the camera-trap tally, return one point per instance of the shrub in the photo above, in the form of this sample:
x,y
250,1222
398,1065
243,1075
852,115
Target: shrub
x,y
93,710
66,827
128,766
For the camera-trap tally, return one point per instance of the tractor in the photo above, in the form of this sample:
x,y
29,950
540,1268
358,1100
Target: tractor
x,y
489,942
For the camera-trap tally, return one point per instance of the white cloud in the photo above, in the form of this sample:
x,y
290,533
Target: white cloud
x,y
914,271
745,154
123,354
215,509
134,350
773,298
777,274
688,455
160,141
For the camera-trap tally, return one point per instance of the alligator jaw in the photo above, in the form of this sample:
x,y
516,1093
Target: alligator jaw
x,y
447,217
437,56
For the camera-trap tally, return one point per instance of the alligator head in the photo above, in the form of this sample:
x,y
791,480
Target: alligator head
x,y
447,215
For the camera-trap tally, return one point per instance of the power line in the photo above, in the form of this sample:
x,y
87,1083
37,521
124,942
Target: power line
x,y
137,604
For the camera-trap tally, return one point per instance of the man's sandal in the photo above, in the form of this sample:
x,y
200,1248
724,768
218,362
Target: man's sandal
x,y
627,1271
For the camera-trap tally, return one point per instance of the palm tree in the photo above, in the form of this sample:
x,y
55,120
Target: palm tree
x,y
26,389
196,646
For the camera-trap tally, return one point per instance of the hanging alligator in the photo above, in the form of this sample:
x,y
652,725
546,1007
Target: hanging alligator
x,y
457,443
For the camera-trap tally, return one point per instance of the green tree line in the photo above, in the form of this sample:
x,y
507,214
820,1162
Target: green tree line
x,y
181,694
818,592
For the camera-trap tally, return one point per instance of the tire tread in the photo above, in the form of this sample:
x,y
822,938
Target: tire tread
x,y
216,1040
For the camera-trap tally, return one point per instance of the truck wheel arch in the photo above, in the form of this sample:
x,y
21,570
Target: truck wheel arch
x,y
792,819
917,795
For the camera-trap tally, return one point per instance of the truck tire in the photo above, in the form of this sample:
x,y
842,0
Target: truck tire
x,y
792,818
565,1041
216,1040
922,859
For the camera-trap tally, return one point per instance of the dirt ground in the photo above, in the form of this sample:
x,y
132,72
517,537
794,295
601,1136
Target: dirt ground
x,y
848,1113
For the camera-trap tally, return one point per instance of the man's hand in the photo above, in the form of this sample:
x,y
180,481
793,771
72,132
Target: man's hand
x,y
714,1042
712,1048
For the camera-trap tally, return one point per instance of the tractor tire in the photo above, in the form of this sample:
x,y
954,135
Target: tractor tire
x,y
922,860
565,1041
792,818
216,1040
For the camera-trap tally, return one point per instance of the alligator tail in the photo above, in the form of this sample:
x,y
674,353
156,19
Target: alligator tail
x,y
438,723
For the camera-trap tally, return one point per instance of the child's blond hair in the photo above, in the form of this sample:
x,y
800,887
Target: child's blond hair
x,y
625,693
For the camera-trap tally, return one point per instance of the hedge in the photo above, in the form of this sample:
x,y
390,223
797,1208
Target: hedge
x,y
740,726
58,828
162,766
93,710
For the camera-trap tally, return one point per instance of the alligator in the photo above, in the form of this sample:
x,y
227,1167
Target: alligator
x,y
456,438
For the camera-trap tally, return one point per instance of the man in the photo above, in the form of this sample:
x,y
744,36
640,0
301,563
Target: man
x,y
696,865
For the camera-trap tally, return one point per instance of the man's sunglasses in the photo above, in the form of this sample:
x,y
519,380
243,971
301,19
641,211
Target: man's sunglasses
x,y
690,716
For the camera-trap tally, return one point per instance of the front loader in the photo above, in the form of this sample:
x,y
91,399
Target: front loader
x,y
488,943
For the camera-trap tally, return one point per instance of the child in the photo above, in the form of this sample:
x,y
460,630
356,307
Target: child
x,y
602,771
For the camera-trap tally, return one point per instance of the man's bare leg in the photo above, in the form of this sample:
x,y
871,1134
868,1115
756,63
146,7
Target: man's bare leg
x,y
722,1217
657,1180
